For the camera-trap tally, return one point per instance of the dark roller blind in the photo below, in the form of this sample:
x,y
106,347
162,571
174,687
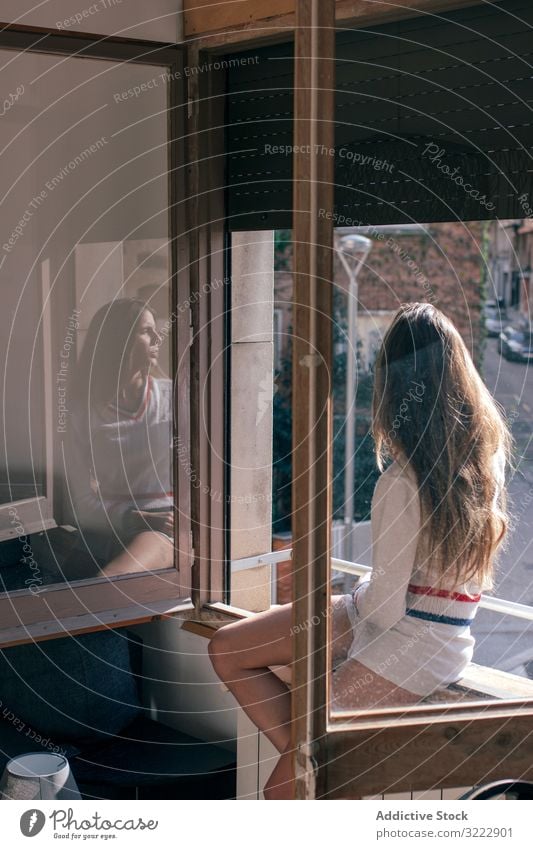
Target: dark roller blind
x,y
433,122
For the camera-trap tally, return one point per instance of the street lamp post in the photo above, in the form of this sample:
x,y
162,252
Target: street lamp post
x,y
352,250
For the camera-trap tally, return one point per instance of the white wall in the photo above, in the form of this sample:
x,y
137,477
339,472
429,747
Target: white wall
x,y
181,687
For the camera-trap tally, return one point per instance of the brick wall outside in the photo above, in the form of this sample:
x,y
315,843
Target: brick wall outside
x,y
439,263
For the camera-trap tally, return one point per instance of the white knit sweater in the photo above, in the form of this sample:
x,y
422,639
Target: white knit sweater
x,y
119,461
396,587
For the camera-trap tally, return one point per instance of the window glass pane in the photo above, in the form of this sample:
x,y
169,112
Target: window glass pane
x,y
407,630
417,641
84,325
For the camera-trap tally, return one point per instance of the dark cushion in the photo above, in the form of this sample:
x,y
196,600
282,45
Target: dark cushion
x,y
149,753
74,688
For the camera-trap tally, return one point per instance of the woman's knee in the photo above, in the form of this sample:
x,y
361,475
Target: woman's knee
x,y
163,549
221,649
258,641
151,550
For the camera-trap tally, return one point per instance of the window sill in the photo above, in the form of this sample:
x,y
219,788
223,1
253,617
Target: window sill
x,y
135,614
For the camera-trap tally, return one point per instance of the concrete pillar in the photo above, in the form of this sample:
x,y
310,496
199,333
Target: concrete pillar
x,y
252,392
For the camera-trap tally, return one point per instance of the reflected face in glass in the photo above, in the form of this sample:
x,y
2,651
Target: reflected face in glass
x,y
146,344
95,433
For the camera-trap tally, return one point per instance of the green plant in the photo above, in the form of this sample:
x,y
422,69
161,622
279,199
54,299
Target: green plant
x,y
282,250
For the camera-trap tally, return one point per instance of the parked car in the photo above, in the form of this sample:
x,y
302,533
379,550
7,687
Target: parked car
x,y
516,343
495,317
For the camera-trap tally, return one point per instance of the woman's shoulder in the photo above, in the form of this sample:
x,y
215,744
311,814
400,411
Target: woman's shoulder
x,y
396,487
397,476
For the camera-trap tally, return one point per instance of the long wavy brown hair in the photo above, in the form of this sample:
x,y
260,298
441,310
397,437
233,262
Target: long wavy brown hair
x,y
105,356
431,405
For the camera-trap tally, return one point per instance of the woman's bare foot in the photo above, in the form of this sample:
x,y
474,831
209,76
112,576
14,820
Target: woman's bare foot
x,y
280,785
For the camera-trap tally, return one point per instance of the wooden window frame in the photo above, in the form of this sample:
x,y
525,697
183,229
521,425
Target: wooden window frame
x,y
258,23
207,262
348,756
102,602
345,757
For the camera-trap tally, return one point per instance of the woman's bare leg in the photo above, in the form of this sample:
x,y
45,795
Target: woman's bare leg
x,y
242,653
280,784
356,686
147,550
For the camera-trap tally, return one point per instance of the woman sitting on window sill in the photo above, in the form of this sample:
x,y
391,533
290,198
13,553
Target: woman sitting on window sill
x,y
438,517
119,456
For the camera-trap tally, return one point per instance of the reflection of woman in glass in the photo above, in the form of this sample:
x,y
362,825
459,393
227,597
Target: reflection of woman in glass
x,y
438,517
119,463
